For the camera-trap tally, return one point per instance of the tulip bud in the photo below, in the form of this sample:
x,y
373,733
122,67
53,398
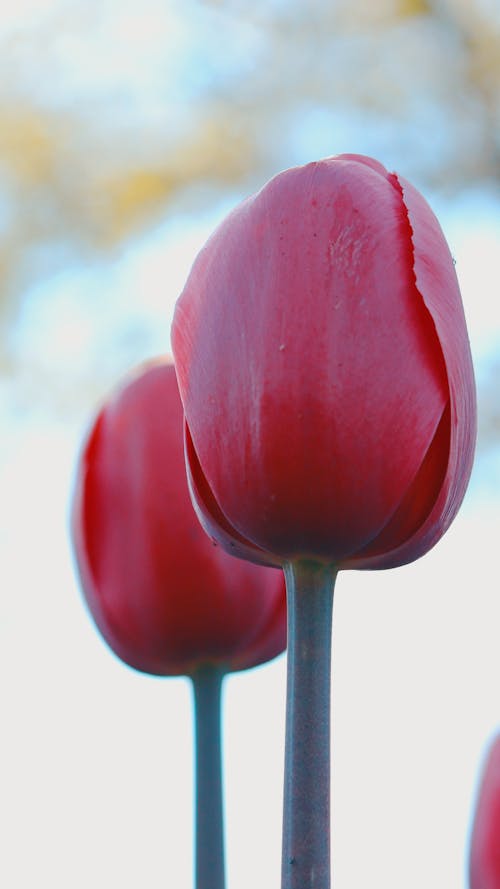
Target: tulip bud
x,y
484,865
325,371
164,598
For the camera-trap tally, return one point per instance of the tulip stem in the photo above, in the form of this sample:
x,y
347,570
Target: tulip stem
x,y
306,808
209,843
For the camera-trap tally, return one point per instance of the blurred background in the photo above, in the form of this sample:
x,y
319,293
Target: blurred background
x,y
127,130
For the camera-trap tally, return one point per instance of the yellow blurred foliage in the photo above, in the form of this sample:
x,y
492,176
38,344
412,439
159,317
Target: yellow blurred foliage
x,y
130,200
103,127
121,203
27,148
94,170
413,7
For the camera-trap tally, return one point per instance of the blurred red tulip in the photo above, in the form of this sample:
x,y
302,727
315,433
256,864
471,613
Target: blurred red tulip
x,y
165,599
484,865
325,370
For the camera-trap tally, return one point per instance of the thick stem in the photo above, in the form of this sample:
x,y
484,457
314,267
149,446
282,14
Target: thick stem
x,y
306,810
209,843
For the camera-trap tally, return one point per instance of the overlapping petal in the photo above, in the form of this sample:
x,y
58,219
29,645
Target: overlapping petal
x,y
437,283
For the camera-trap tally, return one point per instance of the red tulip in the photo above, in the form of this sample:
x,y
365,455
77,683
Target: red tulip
x,y
325,371
327,383
484,865
164,598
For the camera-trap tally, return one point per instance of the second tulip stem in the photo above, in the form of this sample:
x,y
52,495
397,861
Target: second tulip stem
x,y
306,814
210,868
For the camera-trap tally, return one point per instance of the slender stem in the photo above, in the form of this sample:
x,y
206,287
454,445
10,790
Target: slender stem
x,y
306,810
210,867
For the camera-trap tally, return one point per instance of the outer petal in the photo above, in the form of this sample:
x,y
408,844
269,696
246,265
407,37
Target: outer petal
x,y
210,515
484,864
310,370
436,280
163,597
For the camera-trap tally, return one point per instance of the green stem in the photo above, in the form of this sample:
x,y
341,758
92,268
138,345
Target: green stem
x,y
306,809
210,867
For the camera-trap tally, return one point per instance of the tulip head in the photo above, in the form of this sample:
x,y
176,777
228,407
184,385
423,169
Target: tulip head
x,y
325,370
484,864
165,599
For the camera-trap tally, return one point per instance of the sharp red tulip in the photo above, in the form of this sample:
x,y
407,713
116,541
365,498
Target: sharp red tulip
x,y
325,371
484,865
327,383
165,599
